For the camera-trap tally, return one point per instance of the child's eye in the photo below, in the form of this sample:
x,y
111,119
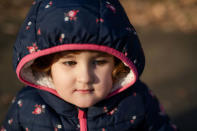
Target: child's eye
x,y
99,62
70,63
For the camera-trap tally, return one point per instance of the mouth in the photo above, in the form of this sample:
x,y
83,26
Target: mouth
x,y
84,91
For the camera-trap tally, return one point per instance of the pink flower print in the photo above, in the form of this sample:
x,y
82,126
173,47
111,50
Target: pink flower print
x,y
99,20
62,38
10,121
58,127
20,103
133,119
112,111
27,129
33,48
109,112
111,7
28,25
103,129
3,129
105,109
49,5
71,15
126,54
34,2
39,109
39,31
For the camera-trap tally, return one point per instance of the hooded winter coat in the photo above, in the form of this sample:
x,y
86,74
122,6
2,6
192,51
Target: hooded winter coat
x,y
53,26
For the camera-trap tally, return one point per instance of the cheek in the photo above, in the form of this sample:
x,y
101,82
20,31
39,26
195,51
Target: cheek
x,y
55,75
110,78
106,77
58,75
61,82
107,84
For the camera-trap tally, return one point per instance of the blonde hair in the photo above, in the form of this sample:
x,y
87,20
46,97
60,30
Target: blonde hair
x,y
43,64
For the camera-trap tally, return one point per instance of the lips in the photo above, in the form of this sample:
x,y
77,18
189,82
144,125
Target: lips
x,y
84,91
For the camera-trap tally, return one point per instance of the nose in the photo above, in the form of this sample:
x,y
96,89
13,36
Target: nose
x,y
85,74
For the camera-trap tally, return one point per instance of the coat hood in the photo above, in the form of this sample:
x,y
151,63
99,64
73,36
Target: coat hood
x,y
58,25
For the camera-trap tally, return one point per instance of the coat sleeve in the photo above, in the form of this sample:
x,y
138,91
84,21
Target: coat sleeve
x,y
155,117
11,122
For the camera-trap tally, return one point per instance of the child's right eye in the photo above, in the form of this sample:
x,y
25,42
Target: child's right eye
x,y
70,63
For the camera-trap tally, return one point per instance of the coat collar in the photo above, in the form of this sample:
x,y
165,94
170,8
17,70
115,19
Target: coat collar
x,y
68,110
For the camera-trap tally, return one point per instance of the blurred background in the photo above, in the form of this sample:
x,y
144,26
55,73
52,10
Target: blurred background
x,y
168,33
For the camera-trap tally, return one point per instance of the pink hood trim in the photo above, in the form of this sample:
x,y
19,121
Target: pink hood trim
x,y
76,46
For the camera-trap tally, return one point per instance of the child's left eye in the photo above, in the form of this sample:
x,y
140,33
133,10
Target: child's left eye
x,y
99,62
70,63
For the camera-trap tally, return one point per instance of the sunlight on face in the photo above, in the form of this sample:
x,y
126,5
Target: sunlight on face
x,y
83,78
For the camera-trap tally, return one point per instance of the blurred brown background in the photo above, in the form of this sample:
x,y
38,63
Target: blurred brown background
x,y
168,32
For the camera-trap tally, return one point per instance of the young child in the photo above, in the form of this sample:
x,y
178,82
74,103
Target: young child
x,y
81,61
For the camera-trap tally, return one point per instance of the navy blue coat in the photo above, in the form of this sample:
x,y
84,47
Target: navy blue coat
x,y
53,26
135,109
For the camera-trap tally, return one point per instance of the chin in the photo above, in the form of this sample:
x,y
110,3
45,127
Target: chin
x,y
84,105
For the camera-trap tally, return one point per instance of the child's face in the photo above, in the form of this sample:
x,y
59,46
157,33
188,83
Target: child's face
x,y
83,78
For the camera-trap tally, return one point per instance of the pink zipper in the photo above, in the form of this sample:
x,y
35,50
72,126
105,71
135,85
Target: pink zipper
x,y
82,120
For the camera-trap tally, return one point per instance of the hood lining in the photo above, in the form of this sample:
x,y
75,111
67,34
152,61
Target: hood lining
x,y
42,80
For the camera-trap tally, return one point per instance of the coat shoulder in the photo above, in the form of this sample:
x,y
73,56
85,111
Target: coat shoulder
x,y
29,111
33,110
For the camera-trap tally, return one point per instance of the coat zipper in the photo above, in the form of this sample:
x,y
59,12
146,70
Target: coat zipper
x,y
82,120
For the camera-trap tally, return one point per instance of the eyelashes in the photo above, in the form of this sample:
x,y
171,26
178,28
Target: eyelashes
x,y
100,62
72,63
69,63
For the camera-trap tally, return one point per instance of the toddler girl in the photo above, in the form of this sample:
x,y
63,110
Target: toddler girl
x,y
81,61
